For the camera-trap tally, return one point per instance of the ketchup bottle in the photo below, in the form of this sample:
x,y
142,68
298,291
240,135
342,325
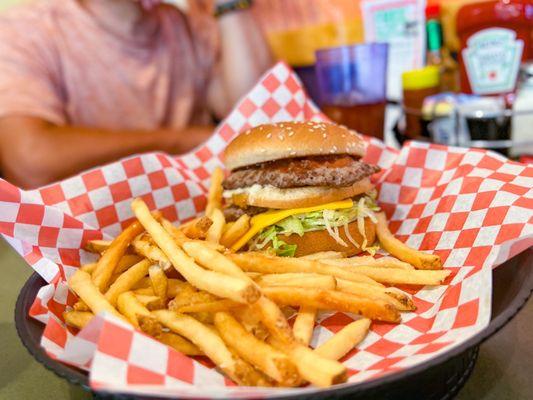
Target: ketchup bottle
x,y
495,38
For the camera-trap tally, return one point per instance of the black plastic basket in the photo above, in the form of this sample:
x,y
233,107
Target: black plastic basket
x,y
439,378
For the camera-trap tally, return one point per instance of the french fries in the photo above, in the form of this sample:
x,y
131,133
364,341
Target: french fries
x,y
209,306
150,251
235,231
312,367
324,255
402,276
198,229
149,301
89,268
298,279
272,362
127,280
80,306
214,196
227,225
251,321
180,238
304,324
150,325
257,262
233,307
213,282
97,246
77,319
214,232
159,282
402,301
180,344
400,250
324,299
131,308
109,260
190,295
174,286
87,291
344,340
127,261
384,262
210,343
213,260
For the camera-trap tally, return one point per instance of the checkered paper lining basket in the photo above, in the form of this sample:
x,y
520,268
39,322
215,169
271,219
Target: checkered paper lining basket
x,y
472,207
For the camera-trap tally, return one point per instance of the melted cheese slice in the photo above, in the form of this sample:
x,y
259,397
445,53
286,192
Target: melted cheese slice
x,y
261,221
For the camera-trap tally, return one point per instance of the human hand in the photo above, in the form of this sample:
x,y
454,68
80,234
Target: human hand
x,y
189,138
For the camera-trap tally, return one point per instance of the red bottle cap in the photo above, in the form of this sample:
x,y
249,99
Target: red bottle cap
x,y
433,11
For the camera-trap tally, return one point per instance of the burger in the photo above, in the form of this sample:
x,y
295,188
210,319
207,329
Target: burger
x,y
305,187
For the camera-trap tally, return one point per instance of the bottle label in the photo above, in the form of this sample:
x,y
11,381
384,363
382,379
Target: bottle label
x,y
492,59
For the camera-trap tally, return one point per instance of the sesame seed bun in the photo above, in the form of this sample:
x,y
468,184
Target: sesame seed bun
x,y
283,140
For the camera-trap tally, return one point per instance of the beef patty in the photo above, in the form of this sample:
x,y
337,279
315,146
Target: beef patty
x,y
234,212
337,170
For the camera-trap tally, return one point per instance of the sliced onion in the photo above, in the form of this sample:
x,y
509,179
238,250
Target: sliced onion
x,y
361,208
331,232
349,235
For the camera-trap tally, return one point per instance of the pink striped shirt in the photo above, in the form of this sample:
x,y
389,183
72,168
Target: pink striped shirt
x,y
58,63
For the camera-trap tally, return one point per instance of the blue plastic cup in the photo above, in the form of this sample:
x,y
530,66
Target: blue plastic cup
x,y
351,75
352,85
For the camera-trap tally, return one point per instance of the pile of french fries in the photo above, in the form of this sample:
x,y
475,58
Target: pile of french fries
x,y
184,287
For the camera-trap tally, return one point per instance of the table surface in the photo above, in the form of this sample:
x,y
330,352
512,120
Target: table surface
x,y
502,371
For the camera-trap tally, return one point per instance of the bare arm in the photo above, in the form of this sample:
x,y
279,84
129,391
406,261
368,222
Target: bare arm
x,y
34,152
245,56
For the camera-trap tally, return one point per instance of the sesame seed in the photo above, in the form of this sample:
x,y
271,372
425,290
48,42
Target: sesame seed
x,y
281,137
324,135
291,133
293,153
269,135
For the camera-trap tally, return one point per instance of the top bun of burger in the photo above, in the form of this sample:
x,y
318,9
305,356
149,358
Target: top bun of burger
x,y
285,140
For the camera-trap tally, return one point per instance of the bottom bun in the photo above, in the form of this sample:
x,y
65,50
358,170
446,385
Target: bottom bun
x,y
316,241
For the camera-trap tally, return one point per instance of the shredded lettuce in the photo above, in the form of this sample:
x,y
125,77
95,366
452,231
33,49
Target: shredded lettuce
x,y
277,246
283,249
330,220
293,225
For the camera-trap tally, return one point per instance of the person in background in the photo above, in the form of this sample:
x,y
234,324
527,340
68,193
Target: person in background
x,y
85,82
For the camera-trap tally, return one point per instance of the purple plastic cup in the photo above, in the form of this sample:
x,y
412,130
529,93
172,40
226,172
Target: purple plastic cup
x,y
350,75
352,85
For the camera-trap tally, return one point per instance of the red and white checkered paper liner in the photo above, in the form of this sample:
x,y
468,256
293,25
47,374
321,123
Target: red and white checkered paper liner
x,y
472,207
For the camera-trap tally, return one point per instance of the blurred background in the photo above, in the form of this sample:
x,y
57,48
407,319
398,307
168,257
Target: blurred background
x,y
455,72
